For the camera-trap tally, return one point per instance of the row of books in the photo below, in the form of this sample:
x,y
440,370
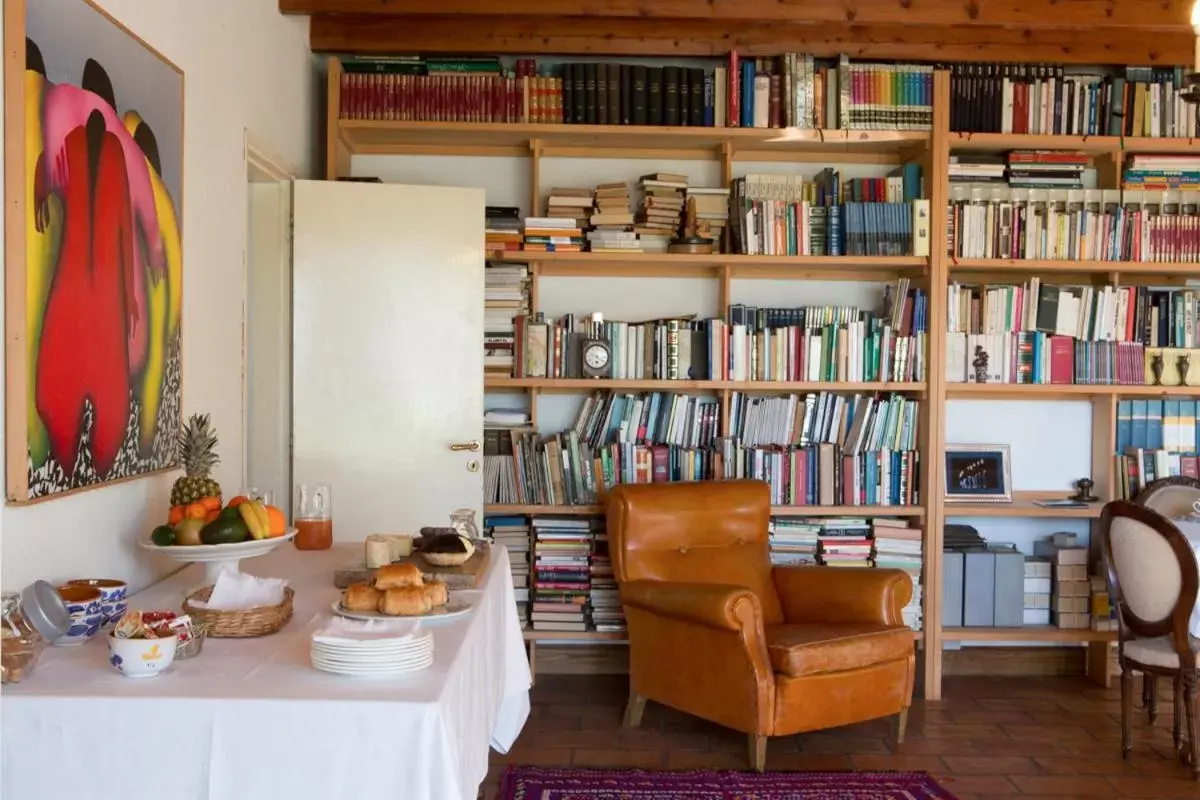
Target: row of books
x,y
1136,468
1073,225
1167,424
506,297
1168,318
512,533
1031,357
1052,99
1150,171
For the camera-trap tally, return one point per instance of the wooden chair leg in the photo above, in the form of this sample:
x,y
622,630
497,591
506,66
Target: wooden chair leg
x,y
1177,716
758,752
1126,711
1189,699
633,711
899,726
1150,696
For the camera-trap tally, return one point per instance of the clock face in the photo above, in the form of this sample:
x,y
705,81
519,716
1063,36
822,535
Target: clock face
x,y
595,357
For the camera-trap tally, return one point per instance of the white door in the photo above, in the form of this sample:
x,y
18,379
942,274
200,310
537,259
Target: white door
x,y
387,351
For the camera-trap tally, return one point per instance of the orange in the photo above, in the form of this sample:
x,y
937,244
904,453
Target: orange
x,y
175,515
195,511
211,503
237,501
212,514
277,520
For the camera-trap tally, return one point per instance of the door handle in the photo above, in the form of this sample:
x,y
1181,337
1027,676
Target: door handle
x,y
472,446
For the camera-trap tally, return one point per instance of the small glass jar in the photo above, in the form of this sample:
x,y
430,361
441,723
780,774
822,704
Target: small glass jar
x,y
20,643
463,522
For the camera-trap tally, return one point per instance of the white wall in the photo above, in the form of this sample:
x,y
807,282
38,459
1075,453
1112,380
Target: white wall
x,y
246,68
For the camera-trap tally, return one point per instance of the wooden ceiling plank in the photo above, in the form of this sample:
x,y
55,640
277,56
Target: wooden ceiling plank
x,y
682,38
1034,13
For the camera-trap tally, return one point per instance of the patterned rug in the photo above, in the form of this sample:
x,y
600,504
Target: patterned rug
x,y
533,783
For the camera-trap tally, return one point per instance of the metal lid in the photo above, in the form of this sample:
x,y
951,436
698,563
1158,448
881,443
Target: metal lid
x,y
45,609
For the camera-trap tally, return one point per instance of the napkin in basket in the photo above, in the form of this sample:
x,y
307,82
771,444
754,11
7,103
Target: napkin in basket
x,y
341,630
234,591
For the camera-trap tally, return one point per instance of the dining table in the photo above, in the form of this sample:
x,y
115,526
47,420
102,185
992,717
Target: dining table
x,y
247,719
1190,527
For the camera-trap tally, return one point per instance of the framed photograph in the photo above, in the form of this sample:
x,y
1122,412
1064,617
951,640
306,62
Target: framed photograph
x,y
93,251
978,473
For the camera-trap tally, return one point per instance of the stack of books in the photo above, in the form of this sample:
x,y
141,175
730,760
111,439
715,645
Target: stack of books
x,y
1037,588
662,210
977,168
553,235
612,221
898,546
1046,169
512,533
572,204
711,207
845,542
561,573
502,228
506,296
1162,173
793,541
607,614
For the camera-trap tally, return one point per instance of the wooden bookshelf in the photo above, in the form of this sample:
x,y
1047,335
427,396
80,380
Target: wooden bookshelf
x,y
534,144
1028,633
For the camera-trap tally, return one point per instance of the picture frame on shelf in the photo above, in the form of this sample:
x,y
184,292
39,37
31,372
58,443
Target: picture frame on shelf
x,y
978,473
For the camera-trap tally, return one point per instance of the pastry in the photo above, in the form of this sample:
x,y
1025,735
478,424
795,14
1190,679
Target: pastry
x,y
361,597
394,576
447,550
436,592
404,601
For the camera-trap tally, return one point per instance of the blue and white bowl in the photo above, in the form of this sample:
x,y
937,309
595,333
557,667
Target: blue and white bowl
x,y
113,594
84,605
141,658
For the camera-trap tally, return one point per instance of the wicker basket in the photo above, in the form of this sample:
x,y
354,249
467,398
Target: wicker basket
x,y
243,623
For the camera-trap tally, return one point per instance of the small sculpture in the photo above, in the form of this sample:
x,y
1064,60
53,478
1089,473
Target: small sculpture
x,y
1156,369
1184,363
980,364
1084,495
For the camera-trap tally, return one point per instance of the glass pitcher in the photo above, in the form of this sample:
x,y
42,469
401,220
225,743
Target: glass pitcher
x,y
314,516
463,522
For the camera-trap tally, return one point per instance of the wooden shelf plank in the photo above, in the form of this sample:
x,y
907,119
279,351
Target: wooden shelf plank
x,y
590,384
678,265
1052,391
1027,633
1095,145
1080,267
1023,505
779,511
598,141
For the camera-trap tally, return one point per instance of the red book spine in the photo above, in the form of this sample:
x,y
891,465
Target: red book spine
x,y
1062,359
734,81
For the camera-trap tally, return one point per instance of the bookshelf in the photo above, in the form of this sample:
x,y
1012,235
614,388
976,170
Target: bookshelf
x,y
536,144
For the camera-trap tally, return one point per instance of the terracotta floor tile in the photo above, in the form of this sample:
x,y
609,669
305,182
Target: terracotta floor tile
x,y
1074,765
898,762
951,730
1078,785
980,784
992,765
619,759
685,759
807,762
1018,747
1158,788
1049,733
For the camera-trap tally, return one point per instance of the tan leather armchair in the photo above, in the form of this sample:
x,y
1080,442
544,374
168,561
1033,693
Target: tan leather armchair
x,y
715,631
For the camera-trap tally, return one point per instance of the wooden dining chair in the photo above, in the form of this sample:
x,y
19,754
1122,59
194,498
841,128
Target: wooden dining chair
x,y
1172,497
1153,579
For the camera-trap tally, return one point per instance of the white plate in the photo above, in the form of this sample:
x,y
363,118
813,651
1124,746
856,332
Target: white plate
x,y
350,670
381,666
452,609
374,652
372,659
215,552
416,640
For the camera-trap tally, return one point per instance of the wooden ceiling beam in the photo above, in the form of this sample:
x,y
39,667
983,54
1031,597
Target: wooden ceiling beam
x,y
516,35
1081,14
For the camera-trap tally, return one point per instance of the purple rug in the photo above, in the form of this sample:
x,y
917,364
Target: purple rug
x,y
534,783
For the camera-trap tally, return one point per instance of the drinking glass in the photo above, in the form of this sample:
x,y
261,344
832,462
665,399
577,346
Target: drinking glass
x,y
314,517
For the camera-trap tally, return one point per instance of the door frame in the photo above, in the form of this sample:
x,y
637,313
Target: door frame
x,y
263,166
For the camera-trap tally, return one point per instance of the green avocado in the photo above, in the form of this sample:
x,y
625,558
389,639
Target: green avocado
x,y
223,530
229,512
163,536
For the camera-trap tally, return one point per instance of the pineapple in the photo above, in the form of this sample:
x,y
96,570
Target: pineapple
x,y
197,443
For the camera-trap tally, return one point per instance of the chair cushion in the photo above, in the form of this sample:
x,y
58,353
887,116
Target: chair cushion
x,y
814,648
1160,652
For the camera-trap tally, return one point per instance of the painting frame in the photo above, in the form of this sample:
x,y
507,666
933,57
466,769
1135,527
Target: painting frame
x,y
19,473
993,465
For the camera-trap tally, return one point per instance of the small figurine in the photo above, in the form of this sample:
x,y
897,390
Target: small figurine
x,y
1084,495
1185,366
980,364
1156,369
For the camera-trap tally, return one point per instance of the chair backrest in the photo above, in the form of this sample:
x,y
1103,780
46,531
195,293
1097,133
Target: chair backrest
x,y
709,532
1152,571
1171,497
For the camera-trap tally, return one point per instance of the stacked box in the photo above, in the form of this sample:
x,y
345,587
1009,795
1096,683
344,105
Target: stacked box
x,y
1037,591
1104,616
1071,602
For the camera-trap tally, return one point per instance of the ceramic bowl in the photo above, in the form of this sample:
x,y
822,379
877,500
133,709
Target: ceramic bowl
x,y
112,597
83,604
141,658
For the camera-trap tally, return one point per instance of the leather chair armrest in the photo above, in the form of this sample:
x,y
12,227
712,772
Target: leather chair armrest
x,y
713,605
842,594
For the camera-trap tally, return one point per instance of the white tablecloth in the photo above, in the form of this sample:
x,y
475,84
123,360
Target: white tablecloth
x,y
252,719
1192,532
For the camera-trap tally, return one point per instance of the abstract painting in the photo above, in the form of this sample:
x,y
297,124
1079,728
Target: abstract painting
x,y
99,351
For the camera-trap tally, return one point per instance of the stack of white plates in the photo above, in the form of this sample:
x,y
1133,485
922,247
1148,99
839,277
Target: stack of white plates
x,y
375,656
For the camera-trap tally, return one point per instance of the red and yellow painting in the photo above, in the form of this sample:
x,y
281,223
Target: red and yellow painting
x,y
103,251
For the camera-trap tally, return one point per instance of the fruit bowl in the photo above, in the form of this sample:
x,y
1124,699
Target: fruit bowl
x,y
218,557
